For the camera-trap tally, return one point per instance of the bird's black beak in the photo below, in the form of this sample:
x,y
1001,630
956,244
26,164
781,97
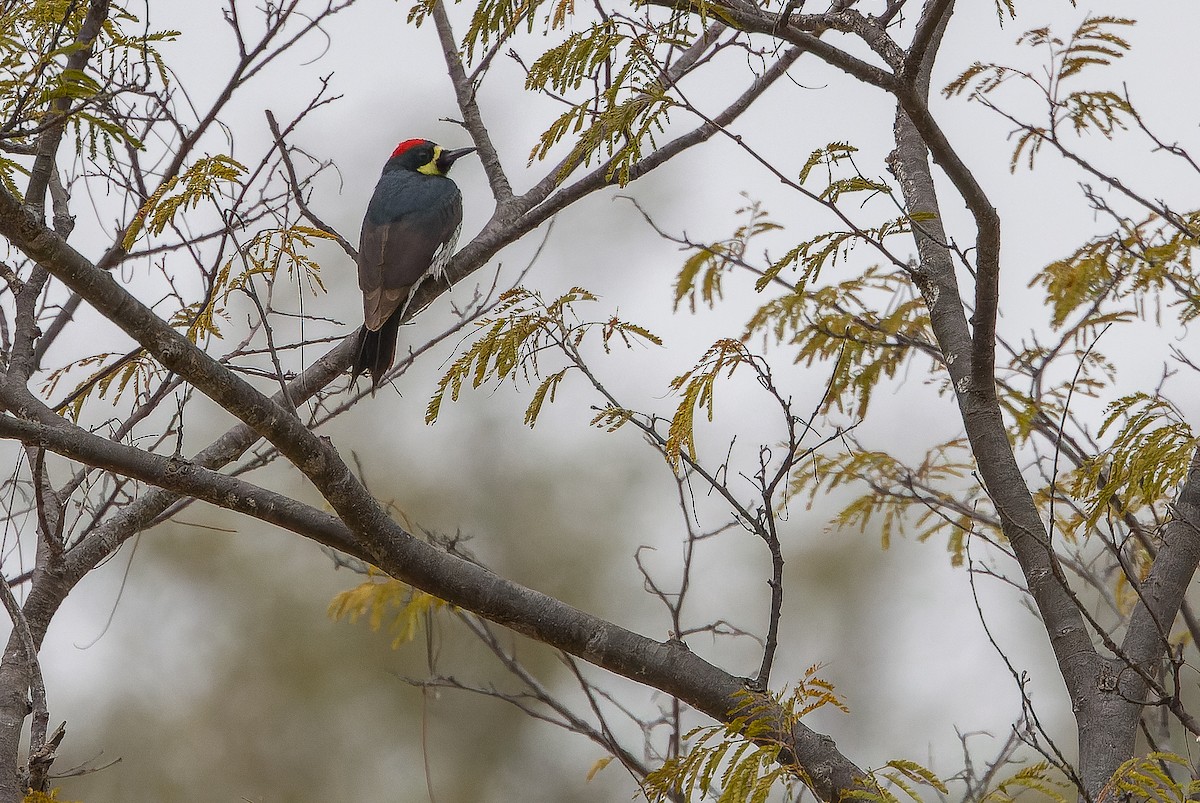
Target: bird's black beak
x,y
448,158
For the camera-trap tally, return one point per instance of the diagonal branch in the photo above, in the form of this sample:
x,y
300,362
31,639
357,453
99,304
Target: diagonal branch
x,y
464,91
1161,594
752,19
987,241
926,37
47,146
542,201
183,477
668,666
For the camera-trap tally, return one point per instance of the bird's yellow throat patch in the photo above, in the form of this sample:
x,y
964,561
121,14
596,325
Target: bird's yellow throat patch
x,y
430,168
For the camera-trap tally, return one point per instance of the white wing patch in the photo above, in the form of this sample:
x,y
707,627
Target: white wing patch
x,y
441,257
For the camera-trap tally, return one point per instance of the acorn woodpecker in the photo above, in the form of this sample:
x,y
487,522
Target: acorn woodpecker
x,y
408,236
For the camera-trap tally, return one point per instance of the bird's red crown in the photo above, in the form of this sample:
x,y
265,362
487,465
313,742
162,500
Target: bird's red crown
x,y
407,144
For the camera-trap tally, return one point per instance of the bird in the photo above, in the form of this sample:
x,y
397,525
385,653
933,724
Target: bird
x,y
408,235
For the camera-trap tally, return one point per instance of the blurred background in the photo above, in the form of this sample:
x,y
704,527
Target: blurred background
x,y
202,657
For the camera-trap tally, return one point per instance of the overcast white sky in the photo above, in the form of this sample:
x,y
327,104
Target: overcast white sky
x,y
900,635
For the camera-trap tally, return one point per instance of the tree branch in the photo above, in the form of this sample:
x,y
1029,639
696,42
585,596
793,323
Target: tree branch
x,y
930,27
669,666
752,19
464,92
1161,593
183,477
47,146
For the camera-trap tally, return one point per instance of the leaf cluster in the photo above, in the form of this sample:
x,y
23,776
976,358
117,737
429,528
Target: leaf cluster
x,y
807,259
739,762
842,325
901,775
628,104
1040,778
697,388
523,327
203,180
617,61
134,372
1146,460
268,252
900,495
37,88
701,275
389,605
1147,778
1096,42
1145,264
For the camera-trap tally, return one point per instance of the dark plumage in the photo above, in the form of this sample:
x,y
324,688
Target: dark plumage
x,y
408,235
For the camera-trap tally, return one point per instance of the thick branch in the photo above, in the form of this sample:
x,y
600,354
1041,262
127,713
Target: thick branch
x,y
969,361
1161,594
47,146
141,513
184,478
668,666
925,39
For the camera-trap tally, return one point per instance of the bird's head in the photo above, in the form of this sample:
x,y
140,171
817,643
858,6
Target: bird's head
x,y
423,156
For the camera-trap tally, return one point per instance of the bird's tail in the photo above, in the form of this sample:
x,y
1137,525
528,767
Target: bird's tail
x,y
376,350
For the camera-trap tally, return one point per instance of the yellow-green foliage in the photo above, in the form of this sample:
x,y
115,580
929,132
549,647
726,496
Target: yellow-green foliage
x,y
1040,778
36,37
700,276
900,494
272,249
496,20
738,762
898,781
698,388
44,797
269,251
201,181
1095,43
513,339
1143,265
839,323
111,372
901,775
389,605
632,110
566,66
1148,780
1145,462
624,103
1093,373
808,258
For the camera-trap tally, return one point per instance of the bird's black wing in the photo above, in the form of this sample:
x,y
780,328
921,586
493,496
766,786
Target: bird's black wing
x,y
398,246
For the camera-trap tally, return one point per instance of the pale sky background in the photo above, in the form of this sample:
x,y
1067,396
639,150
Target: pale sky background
x,y
221,678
